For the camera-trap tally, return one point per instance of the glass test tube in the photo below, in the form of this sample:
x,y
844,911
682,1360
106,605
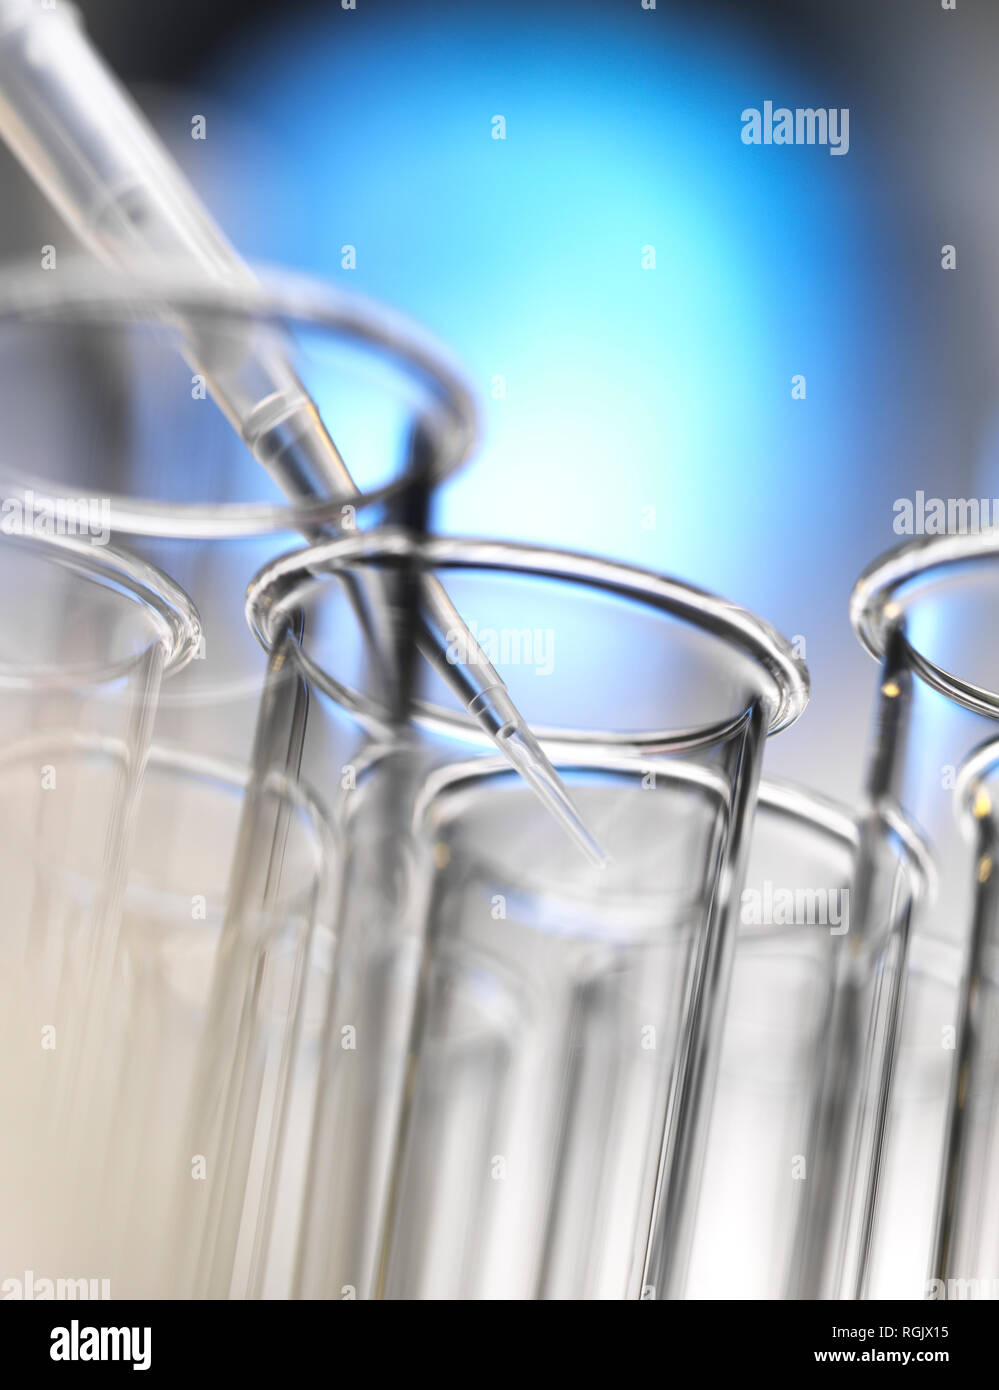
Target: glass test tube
x,y
83,651
392,393
557,1015
795,923
88,356
965,1261
920,611
111,420
569,633
183,904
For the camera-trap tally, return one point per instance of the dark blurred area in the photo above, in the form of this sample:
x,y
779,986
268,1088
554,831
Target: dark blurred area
x,y
166,43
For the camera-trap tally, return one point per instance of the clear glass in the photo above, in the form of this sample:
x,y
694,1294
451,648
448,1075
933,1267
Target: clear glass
x,y
966,1250
83,651
189,416
795,927
130,409
921,612
220,1099
910,1158
605,662
560,1003
126,1196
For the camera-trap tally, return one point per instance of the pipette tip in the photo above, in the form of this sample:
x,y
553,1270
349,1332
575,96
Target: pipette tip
x,y
525,752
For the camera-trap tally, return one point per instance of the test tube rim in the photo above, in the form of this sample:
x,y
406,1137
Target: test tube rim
x,y
280,586
776,796
876,611
168,759
83,290
175,620
979,767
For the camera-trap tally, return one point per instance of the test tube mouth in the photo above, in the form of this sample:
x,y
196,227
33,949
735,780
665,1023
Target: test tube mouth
x,y
893,584
85,294
445,791
976,790
779,675
805,806
173,620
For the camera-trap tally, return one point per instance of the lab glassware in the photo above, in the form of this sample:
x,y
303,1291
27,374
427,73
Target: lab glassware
x,y
180,1180
921,611
88,147
84,649
605,658
795,925
109,427
965,1260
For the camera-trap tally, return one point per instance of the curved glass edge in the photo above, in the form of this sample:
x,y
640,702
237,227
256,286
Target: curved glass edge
x,y
973,802
85,292
280,586
176,620
876,612
790,801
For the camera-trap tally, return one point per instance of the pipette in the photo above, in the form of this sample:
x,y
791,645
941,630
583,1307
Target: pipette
x,y
90,149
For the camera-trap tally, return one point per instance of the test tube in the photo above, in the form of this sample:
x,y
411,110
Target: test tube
x,y
111,433
183,910
155,441
135,1172
553,1030
608,659
920,611
909,1165
795,924
966,1244
86,144
82,656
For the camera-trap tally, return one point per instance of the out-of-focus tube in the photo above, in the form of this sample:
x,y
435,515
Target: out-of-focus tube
x,y
88,146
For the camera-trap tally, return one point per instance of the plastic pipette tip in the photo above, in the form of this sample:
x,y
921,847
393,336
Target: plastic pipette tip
x,y
525,752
